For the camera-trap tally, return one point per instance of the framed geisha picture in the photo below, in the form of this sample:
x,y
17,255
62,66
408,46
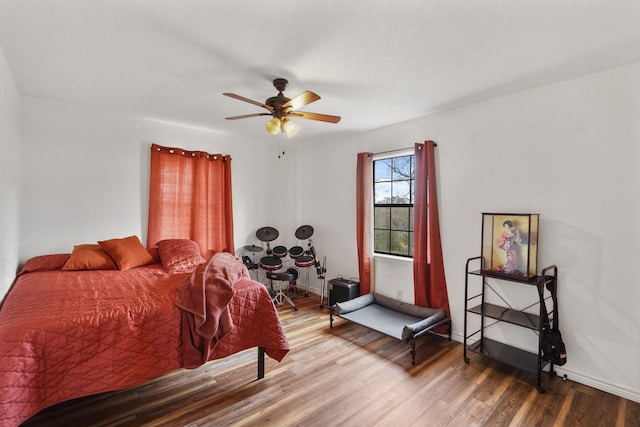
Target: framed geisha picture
x,y
510,245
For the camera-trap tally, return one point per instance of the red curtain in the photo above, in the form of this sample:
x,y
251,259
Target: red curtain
x,y
429,282
190,198
364,204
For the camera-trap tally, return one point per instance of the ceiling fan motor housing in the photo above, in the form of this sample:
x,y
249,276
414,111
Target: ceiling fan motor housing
x,y
276,102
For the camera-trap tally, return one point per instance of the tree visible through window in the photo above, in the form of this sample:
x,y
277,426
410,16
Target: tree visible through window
x,y
393,205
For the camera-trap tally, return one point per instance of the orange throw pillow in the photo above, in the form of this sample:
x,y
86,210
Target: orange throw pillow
x,y
127,252
89,257
45,262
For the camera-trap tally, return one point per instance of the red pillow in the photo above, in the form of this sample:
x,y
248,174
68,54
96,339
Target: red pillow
x,y
154,253
127,252
45,262
179,255
89,257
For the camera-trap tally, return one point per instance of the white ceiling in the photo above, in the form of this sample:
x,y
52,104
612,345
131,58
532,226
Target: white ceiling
x,y
373,62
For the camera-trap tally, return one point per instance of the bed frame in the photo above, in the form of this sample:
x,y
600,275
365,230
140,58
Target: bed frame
x,y
400,320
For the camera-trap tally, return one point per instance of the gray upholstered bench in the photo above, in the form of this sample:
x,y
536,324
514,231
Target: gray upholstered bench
x,y
397,319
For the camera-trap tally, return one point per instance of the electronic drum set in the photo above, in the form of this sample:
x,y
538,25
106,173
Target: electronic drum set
x,y
273,262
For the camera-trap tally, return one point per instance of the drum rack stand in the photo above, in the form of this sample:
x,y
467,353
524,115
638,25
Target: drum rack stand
x,y
281,296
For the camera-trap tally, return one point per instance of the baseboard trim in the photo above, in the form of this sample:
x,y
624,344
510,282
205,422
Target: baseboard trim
x,y
587,380
599,384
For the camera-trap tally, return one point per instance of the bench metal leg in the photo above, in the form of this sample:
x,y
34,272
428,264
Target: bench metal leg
x,y
330,317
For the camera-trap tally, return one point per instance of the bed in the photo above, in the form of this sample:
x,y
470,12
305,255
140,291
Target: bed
x,y
67,334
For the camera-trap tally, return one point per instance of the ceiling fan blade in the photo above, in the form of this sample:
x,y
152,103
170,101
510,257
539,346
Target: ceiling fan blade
x,y
246,116
305,98
315,116
250,101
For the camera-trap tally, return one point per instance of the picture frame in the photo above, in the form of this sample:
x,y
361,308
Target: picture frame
x,y
510,245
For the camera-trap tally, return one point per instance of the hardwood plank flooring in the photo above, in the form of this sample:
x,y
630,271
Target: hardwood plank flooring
x,y
347,376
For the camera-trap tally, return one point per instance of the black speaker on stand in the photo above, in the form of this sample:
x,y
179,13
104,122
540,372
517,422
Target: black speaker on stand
x,y
341,290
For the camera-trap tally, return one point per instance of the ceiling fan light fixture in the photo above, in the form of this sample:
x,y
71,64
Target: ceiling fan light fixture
x,y
273,126
289,128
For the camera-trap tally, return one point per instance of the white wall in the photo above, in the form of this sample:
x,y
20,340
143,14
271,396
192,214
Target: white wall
x,y
568,151
10,161
86,176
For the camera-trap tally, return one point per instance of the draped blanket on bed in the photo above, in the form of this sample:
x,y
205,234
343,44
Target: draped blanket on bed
x,y
67,334
204,298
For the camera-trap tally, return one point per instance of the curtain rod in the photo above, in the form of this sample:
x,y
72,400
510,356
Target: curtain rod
x,y
398,150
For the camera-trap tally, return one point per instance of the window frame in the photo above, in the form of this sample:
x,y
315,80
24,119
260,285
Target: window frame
x,y
390,205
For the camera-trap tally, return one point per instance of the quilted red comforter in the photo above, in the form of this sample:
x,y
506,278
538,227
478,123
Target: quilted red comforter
x,y
67,334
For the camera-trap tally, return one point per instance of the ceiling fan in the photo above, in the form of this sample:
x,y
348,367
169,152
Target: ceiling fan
x,y
282,108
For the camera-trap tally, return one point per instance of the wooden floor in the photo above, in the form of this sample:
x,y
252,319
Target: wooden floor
x,y
348,376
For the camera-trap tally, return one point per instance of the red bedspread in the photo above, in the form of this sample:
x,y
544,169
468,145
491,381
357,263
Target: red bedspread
x,y
67,334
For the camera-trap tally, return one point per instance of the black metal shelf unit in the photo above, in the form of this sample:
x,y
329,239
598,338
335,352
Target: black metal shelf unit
x,y
476,341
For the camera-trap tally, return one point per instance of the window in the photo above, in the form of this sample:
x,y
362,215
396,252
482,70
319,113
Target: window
x,y
393,205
